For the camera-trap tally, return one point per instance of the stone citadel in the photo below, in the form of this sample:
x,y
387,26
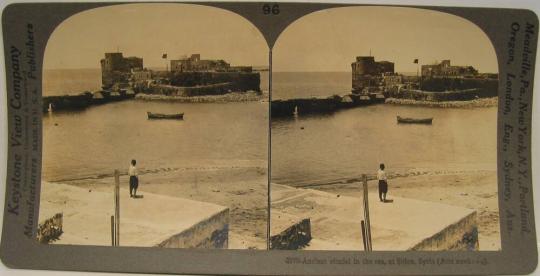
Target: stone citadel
x,y
124,77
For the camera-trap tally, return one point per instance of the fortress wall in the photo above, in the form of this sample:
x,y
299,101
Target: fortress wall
x,y
240,81
212,89
209,233
487,87
448,89
419,95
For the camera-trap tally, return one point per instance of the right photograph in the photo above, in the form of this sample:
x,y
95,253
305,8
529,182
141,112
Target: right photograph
x,y
384,133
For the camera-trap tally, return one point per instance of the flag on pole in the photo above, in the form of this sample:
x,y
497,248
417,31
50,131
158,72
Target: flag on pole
x,y
164,56
415,61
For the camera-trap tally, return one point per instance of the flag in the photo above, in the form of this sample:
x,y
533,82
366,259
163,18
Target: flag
x,y
415,60
164,56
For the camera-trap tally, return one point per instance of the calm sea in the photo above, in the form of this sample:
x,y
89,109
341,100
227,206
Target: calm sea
x,y
288,85
99,139
307,149
348,143
70,81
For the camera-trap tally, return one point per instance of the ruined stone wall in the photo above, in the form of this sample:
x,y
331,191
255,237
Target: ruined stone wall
x,y
489,87
240,81
447,89
419,95
182,91
445,69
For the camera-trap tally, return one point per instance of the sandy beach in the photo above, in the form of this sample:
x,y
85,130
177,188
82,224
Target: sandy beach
x,y
243,189
475,189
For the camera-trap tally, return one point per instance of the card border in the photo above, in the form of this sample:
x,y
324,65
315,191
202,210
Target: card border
x,y
518,255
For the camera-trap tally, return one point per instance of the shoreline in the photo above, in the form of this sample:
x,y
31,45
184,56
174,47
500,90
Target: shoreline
x,y
482,102
225,98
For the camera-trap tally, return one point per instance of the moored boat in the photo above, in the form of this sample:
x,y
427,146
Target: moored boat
x,y
402,120
177,116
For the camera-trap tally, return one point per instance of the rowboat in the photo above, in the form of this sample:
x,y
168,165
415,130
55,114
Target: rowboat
x,y
402,120
177,116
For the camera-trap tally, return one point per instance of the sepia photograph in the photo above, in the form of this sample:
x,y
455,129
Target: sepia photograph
x,y
384,133
155,129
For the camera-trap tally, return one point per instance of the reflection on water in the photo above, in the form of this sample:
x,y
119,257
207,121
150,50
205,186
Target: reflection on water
x,y
103,138
351,142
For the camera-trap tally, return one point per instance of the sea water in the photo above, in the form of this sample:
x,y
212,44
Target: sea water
x,y
97,140
351,142
305,149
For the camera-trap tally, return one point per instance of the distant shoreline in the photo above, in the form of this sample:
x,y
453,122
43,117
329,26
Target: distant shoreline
x,y
229,97
483,102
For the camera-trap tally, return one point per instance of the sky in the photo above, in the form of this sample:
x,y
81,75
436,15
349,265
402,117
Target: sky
x,y
149,31
329,40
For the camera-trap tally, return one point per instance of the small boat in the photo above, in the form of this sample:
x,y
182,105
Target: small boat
x,y
178,116
402,120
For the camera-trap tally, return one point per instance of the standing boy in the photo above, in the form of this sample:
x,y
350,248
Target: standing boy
x,y
133,179
383,185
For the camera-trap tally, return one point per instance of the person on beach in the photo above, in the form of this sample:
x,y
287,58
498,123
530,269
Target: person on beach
x,y
383,185
133,179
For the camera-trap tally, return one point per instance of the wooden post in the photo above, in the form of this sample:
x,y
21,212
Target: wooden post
x,y
117,205
364,234
366,214
113,234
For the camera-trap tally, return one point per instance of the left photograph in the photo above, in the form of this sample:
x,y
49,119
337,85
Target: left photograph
x,y
155,129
